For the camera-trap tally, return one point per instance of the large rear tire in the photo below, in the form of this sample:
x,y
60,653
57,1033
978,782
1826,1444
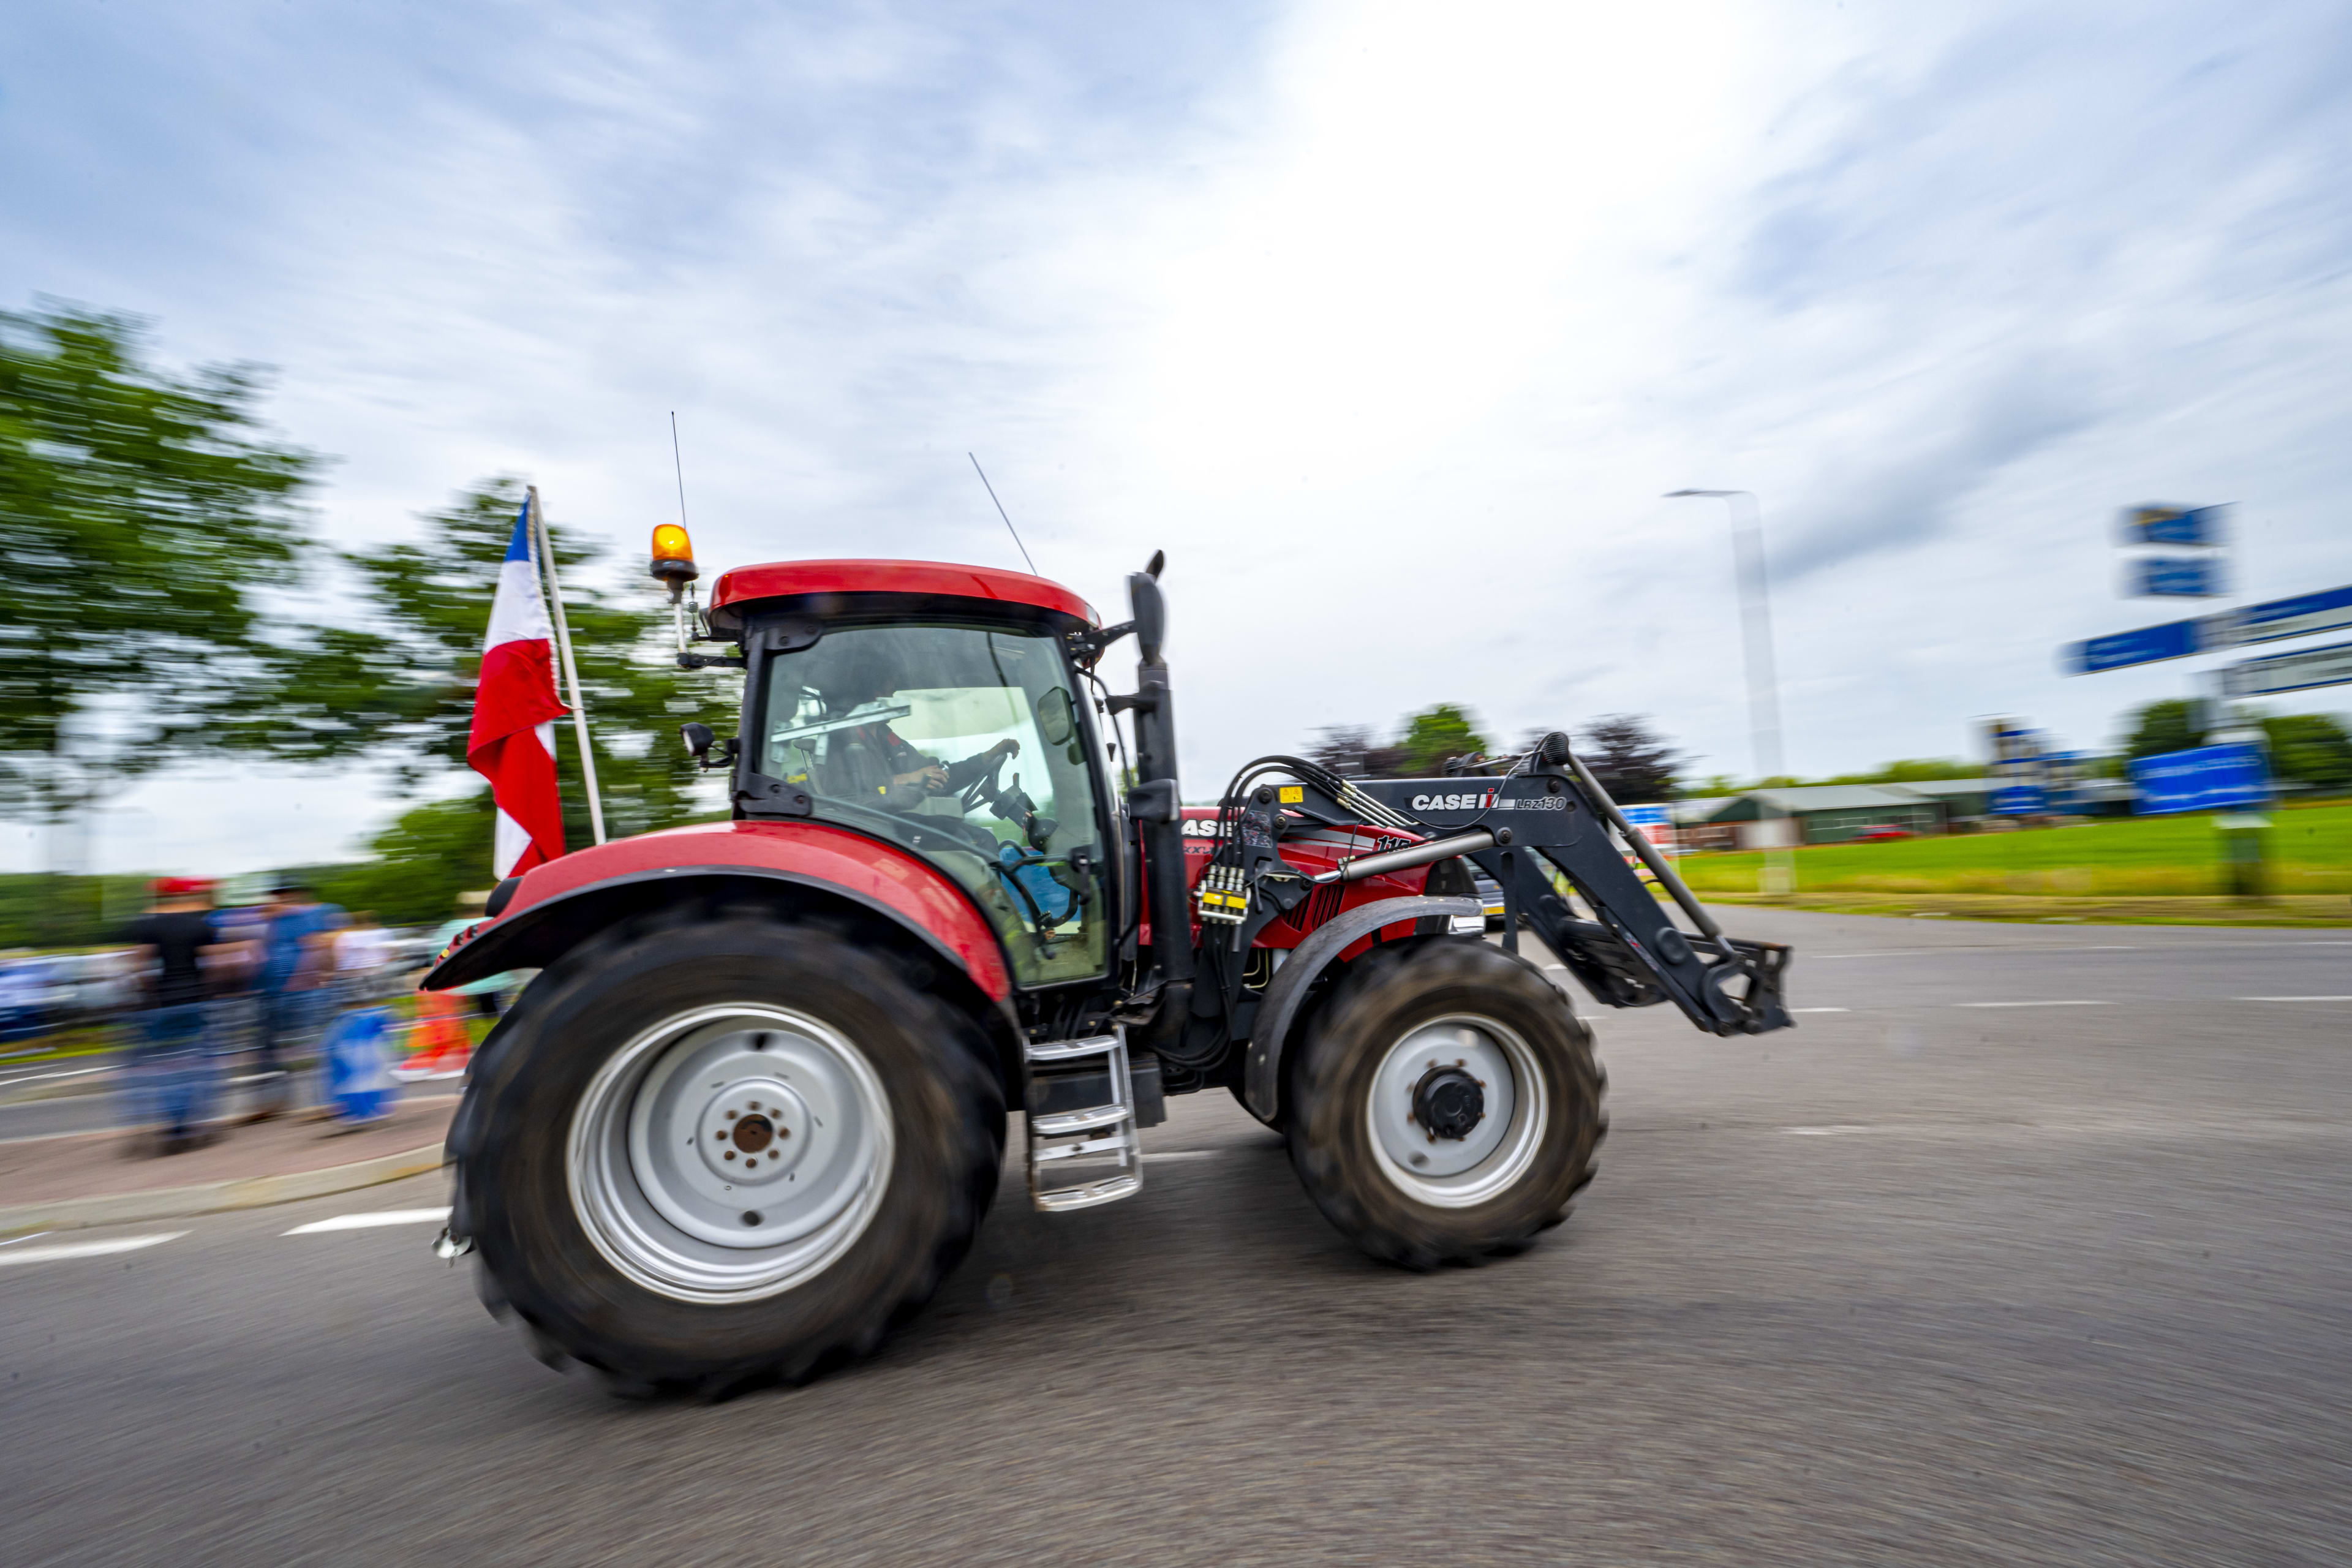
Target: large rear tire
x,y
1446,1104
728,1151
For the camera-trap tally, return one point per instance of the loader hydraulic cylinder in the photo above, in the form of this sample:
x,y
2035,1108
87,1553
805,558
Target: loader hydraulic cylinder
x,y
1412,855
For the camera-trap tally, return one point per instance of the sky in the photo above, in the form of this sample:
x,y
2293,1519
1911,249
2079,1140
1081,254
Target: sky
x,y
1390,324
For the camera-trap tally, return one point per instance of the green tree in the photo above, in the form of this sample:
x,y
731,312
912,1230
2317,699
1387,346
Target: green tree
x,y
1912,769
140,514
2159,727
420,864
1633,763
398,685
1434,734
2310,748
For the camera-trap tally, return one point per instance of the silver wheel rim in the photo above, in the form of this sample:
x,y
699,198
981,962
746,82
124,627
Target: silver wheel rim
x,y
1458,1172
730,1152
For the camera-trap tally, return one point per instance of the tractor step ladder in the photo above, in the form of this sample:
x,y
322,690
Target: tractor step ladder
x,y
1093,1135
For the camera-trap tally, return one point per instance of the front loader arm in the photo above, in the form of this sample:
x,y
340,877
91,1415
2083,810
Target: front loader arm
x,y
1552,815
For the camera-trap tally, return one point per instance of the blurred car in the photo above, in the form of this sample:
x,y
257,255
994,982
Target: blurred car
x,y
1882,834
42,991
26,998
1490,898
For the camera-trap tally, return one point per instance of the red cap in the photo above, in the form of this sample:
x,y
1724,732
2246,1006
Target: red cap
x,y
181,887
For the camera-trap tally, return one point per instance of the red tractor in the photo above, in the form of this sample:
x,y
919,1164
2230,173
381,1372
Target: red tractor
x,y
753,1108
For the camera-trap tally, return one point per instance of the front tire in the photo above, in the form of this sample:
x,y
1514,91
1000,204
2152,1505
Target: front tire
x,y
1446,1104
727,1151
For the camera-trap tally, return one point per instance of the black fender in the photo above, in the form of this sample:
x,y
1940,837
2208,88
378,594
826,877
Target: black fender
x,y
1278,1010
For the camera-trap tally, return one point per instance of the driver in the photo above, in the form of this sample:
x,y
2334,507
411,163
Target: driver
x,y
873,763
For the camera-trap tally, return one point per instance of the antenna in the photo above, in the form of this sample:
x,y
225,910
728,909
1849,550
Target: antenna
x,y
999,512
680,463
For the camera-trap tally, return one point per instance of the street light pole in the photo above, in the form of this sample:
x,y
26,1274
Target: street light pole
x,y
1763,684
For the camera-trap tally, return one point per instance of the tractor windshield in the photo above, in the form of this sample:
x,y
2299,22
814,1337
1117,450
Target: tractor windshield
x,y
963,743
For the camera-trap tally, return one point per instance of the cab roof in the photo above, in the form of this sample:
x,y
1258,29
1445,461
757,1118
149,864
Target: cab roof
x,y
786,579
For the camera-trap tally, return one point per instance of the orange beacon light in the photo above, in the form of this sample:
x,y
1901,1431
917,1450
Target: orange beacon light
x,y
674,556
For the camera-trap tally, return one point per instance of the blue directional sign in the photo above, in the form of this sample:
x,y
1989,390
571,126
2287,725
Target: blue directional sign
x,y
2174,639
2297,671
2197,525
2018,800
2174,576
2204,778
2327,611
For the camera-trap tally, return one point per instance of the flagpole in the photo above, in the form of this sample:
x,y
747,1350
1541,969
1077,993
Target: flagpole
x,y
570,672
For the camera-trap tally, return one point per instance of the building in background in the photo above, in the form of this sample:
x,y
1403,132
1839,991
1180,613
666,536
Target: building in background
x,y
1826,814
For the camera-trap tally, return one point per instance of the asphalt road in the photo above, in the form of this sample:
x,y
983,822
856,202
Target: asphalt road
x,y
1924,1280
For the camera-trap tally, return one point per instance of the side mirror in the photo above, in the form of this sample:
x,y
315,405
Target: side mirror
x,y
1149,612
1057,719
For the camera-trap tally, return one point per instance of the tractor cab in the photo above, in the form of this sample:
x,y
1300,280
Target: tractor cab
x,y
935,708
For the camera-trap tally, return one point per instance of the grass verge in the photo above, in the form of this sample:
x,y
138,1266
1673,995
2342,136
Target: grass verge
x,y
2126,859
2299,909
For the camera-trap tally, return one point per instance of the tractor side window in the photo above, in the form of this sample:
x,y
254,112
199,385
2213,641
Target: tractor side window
x,y
959,742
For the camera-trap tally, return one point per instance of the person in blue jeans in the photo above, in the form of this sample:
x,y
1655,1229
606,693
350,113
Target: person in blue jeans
x,y
172,1075
295,986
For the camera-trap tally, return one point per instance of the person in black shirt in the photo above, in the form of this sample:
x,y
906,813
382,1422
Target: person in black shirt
x,y
171,1072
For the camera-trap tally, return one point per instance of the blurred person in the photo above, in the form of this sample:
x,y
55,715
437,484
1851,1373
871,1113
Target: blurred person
x,y
295,981
170,1070
362,949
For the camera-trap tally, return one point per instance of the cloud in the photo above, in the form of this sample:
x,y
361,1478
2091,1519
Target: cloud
x,y
1892,503
1390,324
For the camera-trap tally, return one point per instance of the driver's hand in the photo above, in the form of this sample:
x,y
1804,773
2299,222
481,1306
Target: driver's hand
x,y
930,780
1006,747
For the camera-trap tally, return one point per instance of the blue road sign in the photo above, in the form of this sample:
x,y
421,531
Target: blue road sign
x,y
2174,576
2297,671
2198,525
2202,779
2326,610
2271,621
2017,800
2174,639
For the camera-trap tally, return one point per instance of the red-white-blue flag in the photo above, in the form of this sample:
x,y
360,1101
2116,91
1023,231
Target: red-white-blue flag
x,y
512,743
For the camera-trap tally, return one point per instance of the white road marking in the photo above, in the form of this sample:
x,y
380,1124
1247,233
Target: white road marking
x,y
2295,998
370,1221
2068,1003
2263,1128
1987,947
41,1077
1149,1158
64,1249
1821,1009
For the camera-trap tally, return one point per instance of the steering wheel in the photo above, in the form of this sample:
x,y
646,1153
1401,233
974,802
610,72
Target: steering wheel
x,y
984,790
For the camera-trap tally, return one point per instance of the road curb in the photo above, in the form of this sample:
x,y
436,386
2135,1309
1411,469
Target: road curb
x,y
217,1197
